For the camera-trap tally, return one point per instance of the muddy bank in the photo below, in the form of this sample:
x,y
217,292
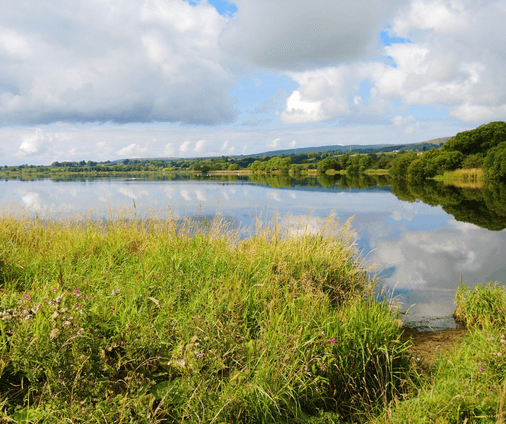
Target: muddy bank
x,y
428,345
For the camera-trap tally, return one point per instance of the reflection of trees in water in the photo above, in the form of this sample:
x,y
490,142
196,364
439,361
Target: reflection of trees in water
x,y
326,181
484,207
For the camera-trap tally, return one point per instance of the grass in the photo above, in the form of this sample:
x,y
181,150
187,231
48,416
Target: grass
x,y
483,306
473,175
467,384
165,319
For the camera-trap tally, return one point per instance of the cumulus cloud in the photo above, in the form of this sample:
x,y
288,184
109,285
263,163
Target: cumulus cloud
x,y
408,124
442,66
302,34
225,146
31,144
200,146
124,62
185,147
273,144
168,150
132,149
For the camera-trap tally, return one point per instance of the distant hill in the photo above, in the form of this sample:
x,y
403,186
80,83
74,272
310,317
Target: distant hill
x,y
368,148
355,148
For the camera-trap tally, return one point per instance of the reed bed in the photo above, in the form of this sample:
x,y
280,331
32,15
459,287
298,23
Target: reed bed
x,y
471,175
165,319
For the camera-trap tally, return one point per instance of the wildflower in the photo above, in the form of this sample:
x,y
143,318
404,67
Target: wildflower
x,y
323,333
88,297
324,367
332,341
112,292
78,293
481,369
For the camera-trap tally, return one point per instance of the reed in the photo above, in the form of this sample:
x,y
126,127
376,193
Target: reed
x,y
472,175
159,318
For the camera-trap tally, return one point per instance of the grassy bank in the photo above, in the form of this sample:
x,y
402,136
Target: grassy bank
x,y
468,383
171,320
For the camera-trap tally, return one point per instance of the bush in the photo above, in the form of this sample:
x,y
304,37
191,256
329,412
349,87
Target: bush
x,y
495,162
479,140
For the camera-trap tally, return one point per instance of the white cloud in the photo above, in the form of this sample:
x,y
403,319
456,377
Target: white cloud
x,y
168,150
200,146
128,62
31,144
438,15
14,45
273,144
408,124
185,147
292,144
132,149
225,146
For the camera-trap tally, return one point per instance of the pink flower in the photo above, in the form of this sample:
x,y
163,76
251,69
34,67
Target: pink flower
x,y
332,340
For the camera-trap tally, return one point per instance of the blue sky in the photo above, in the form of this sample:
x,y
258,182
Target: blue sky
x,y
176,78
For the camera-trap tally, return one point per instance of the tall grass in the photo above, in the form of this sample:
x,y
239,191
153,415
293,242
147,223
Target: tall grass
x,y
471,175
484,306
149,319
468,383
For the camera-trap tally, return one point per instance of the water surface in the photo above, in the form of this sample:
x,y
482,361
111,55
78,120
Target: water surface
x,y
422,238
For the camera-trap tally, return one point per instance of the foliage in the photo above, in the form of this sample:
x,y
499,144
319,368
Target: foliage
x,y
466,385
469,383
401,164
160,319
485,207
327,164
484,306
473,161
495,162
479,140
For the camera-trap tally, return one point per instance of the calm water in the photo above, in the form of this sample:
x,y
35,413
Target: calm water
x,y
423,238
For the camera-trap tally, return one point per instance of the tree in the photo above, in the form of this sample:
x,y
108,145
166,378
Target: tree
x,y
326,164
401,163
479,140
495,162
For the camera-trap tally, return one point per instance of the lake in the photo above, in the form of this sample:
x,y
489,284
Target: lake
x,y
422,238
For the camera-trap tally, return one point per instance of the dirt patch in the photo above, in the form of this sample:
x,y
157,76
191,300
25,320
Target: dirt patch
x,y
429,345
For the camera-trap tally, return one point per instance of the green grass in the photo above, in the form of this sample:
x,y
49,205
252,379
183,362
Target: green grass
x,y
483,306
467,384
171,320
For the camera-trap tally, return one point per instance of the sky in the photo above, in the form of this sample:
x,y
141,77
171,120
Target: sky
x,y
105,80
